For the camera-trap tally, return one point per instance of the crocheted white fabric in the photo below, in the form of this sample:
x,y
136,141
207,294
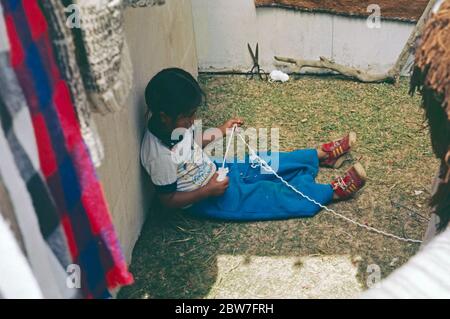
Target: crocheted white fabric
x,y
65,54
103,54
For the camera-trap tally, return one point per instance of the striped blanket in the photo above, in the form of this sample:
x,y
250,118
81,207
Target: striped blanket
x,y
65,162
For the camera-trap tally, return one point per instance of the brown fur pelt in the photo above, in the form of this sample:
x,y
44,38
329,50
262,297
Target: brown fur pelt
x,y
441,201
433,55
431,77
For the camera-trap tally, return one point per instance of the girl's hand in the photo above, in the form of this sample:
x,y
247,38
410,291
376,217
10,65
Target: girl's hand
x,y
215,188
230,123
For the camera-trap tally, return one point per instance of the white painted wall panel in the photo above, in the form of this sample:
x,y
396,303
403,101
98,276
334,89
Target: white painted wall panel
x,y
223,28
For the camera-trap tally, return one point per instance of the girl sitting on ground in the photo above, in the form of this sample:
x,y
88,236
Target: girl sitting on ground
x,y
246,194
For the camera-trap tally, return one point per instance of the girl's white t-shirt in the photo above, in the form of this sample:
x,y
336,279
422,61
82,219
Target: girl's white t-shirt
x,y
185,166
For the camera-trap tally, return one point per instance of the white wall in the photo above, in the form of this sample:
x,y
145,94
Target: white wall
x,y
223,28
158,37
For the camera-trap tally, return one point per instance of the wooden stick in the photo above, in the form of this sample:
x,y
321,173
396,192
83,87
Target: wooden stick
x,y
325,63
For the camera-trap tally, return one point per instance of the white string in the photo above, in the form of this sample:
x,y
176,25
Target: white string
x,y
268,168
228,145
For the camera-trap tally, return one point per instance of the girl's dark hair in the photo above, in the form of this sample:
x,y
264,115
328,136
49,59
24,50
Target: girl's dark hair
x,y
174,92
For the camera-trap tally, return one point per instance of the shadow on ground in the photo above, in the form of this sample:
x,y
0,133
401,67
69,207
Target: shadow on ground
x,y
178,257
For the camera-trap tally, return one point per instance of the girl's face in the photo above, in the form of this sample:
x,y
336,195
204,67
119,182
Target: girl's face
x,y
186,121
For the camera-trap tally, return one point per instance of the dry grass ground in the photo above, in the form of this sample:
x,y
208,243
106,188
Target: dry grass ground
x,y
176,256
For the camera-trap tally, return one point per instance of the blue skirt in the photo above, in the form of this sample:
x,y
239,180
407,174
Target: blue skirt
x,y
253,196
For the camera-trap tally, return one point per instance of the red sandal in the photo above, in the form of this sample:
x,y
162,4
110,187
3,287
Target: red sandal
x,y
351,182
336,149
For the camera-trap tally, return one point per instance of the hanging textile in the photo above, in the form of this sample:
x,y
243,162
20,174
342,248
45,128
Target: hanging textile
x,y
17,280
34,213
15,122
7,210
424,276
431,77
48,270
64,158
64,48
103,54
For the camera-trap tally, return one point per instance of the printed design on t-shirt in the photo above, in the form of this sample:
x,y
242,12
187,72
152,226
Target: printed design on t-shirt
x,y
195,168
186,162
202,173
192,176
